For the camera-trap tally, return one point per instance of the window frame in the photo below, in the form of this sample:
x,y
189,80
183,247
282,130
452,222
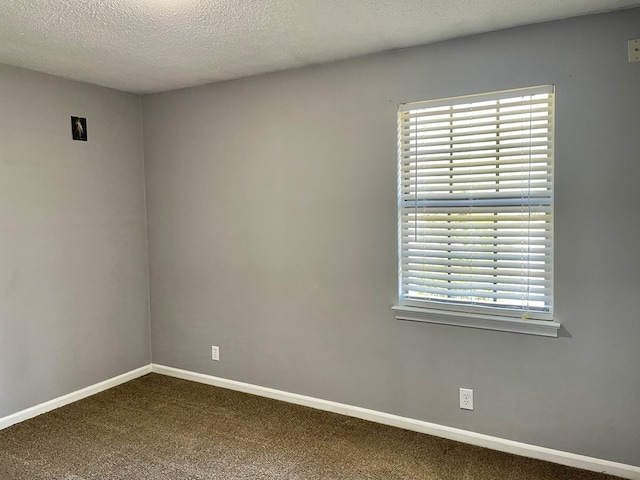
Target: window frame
x,y
469,313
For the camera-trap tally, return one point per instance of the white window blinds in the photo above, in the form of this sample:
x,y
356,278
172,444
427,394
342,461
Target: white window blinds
x,y
475,180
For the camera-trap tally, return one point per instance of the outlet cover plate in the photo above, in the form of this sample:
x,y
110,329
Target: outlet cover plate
x,y
215,353
466,399
634,50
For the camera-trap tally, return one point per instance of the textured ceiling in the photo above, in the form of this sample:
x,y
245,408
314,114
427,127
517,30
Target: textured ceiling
x,y
145,46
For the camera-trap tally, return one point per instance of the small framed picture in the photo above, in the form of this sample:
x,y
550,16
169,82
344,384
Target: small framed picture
x,y
79,128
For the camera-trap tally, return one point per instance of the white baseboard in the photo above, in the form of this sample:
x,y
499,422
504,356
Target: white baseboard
x,y
72,397
464,436
495,443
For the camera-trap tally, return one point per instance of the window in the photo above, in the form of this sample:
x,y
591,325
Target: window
x,y
475,209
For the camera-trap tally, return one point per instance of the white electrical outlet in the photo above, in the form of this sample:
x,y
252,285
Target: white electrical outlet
x,y
215,353
634,50
466,399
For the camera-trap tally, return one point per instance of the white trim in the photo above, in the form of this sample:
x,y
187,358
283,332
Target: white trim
x,y
495,443
72,397
545,328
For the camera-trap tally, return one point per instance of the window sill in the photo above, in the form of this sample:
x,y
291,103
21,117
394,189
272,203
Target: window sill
x,y
545,328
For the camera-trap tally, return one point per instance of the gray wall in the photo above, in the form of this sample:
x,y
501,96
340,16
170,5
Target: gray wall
x,y
73,262
272,230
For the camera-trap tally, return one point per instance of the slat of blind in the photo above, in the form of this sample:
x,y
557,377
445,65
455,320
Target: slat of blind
x,y
520,233
419,242
490,235
527,104
523,103
430,218
453,176
477,294
519,137
416,163
453,169
427,234
490,270
426,182
479,111
455,260
486,188
414,210
411,202
535,142
457,245
409,264
476,122
426,122
412,130
469,284
458,278
519,130
485,278
482,228
415,247
530,260
471,289
420,160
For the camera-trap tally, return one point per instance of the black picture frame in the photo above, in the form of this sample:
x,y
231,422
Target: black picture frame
x,y
79,128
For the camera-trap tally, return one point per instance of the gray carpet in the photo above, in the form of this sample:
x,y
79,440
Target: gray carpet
x,y
158,427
